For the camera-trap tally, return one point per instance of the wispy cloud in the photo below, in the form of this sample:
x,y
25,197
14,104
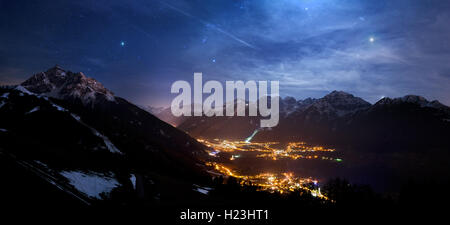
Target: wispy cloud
x,y
209,25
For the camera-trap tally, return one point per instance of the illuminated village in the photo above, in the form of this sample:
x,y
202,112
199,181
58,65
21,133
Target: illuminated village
x,y
281,182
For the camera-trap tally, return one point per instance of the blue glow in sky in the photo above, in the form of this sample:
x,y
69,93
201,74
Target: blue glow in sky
x,y
368,48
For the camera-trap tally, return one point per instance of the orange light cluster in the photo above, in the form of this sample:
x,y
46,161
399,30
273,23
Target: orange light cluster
x,y
281,183
268,149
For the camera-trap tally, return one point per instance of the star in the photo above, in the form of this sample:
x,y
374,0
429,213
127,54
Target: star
x,y
122,43
213,60
372,39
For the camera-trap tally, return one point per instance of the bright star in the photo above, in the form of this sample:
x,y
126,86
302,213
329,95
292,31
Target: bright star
x,y
122,43
371,39
213,60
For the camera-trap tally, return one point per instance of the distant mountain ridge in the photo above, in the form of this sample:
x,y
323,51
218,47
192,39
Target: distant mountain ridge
x,y
334,105
338,118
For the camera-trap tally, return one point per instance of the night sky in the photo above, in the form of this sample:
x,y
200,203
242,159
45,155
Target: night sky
x,y
138,49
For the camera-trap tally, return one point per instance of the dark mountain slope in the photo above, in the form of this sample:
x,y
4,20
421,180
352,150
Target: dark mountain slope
x,y
403,124
80,134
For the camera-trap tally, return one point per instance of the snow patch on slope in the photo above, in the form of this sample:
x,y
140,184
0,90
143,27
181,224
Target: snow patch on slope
x,y
33,110
111,147
133,181
24,90
203,190
92,184
59,108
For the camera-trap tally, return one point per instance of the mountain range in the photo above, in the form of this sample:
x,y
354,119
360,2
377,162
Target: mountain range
x,y
340,119
74,133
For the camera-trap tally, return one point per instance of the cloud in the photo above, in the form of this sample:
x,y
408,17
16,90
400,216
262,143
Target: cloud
x,y
311,46
327,47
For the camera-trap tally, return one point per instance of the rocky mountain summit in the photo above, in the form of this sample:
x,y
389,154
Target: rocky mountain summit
x,y
61,84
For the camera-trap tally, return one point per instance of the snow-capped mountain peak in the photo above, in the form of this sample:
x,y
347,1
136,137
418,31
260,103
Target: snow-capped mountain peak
x,y
59,83
339,103
412,99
